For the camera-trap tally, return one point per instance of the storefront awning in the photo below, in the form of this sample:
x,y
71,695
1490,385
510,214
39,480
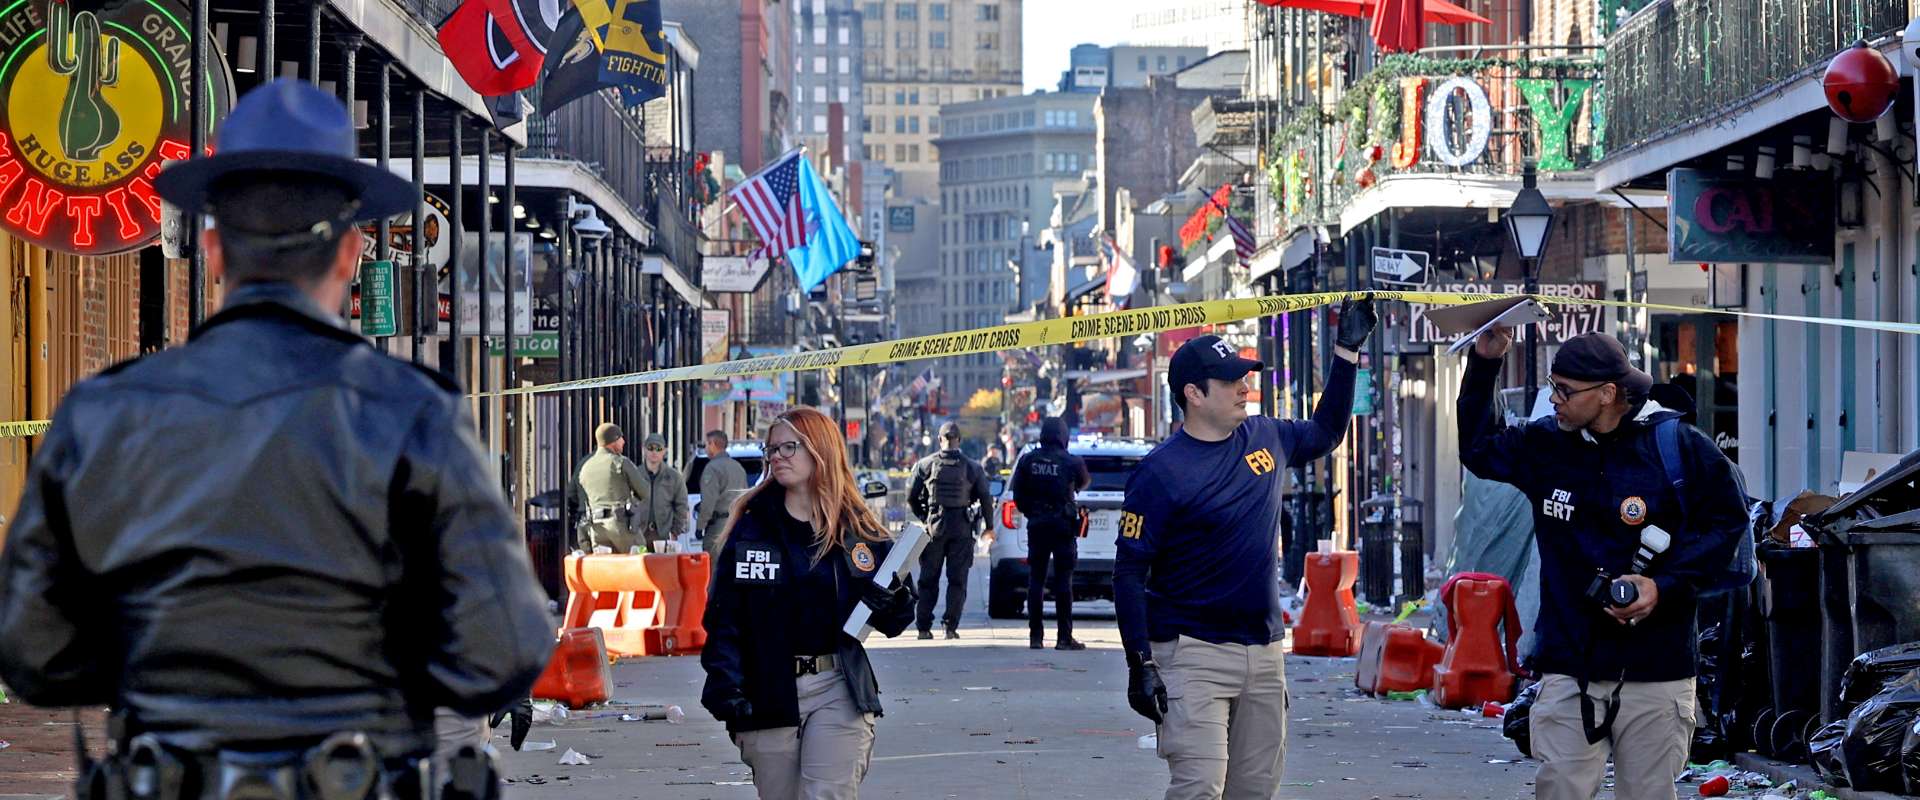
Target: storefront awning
x,y
1084,289
545,173
1473,191
1292,252
656,264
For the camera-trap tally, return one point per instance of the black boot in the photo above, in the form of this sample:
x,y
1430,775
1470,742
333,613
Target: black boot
x,y
926,634
1037,641
1068,643
953,631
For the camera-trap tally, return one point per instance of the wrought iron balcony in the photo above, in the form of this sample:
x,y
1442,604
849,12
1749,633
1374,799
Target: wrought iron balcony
x,y
1678,63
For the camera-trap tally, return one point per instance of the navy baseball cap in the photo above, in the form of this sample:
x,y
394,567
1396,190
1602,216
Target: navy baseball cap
x,y
1204,357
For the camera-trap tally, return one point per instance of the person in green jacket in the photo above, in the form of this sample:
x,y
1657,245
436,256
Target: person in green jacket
x,y
666,510
615,487
720,484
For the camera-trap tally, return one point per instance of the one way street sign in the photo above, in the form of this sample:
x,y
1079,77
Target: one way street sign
x,y
1407,267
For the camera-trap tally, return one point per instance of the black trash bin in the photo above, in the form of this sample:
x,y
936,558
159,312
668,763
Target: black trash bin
x,y
1789,602
1869,573
547,549
1413,551
1312,521
1377,551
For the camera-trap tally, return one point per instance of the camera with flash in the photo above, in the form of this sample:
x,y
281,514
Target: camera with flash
x,y
1610,590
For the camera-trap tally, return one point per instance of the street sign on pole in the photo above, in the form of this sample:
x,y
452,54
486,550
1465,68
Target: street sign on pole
x,y
1408,267
376,303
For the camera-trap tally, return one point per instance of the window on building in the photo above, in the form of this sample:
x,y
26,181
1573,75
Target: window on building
x,y
874,11
913,153
987,40
1143,63
874,38
846,35
905,61
866,123
1180,62
900,153
987,13
1026,119
819,34
1160,64
933,123
904,39
820,65
871,62
899,124
844,92
937,40
937,11
846,65
913,124
900,97
906,11
913,96
819,94
819,123
799,65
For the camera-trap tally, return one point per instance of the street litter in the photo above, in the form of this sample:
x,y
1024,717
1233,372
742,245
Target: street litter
x,y
537,746
1150,741
673,715
4,744
572,758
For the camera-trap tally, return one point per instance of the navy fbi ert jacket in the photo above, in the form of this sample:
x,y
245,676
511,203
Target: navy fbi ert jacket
x,y
1199,546
1591,496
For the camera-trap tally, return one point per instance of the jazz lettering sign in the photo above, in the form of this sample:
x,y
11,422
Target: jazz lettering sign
x,y
95,102
1727,219
1564,320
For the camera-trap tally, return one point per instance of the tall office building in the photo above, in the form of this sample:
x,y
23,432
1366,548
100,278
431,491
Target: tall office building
x,y
920,55
1001,161
1213,24
1092,68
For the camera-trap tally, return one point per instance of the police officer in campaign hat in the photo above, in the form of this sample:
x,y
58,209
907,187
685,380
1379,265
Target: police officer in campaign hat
x,y
1195,578
1624,555
273,551
1045,483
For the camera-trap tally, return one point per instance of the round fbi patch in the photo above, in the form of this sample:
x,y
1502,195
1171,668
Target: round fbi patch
x,y
1633,511
863,557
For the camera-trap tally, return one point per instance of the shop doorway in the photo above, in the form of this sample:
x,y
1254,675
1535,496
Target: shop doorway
x,y
1701,354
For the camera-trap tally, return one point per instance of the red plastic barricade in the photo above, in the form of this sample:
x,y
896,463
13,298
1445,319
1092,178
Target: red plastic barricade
x,y
1479,665
1395,658
578,673
647,605
1330,623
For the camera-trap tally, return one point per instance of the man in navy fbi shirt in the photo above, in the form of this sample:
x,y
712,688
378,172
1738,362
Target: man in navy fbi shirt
x,y
1195,576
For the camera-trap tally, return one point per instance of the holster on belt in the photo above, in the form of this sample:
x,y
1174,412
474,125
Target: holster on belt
x,y
344,766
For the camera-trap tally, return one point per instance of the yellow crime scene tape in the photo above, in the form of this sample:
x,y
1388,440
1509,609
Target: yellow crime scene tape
x,y
1068,330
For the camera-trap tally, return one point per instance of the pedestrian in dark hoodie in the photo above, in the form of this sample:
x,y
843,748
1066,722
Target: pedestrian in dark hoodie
x,y
1046,482
1616,680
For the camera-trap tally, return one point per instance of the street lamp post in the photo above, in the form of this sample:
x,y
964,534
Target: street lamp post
x,y
1530,223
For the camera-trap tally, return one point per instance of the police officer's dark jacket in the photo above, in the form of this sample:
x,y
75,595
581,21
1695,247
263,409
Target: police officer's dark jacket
x,y
751,619
1591,496
269,535
1047,478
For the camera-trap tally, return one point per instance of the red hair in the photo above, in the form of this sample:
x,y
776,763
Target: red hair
x,y
839,512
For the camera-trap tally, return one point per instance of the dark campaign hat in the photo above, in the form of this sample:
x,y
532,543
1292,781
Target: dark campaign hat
x,y
1204,357
292,126
1599,357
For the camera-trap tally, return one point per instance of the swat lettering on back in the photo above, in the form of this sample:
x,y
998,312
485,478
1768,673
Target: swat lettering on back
x,y
1559,506
757,565
1048,469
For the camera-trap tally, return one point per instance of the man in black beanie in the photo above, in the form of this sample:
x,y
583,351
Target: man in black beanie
x,y
1636,516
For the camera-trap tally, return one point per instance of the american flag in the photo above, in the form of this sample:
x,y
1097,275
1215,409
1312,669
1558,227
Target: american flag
x,y
1243,244
922,383
771,200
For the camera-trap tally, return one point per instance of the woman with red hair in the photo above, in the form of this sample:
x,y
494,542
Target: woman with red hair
x,y
802,548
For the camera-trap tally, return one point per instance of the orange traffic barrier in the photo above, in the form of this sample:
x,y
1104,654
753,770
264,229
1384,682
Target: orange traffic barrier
x,y
1330,622
578,673
1395,658
1479,665
646,605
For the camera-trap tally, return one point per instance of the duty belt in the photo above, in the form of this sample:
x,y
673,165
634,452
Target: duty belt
x,y
343,767
811,665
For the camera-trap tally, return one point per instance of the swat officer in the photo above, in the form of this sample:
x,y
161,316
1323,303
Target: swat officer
x,y
615,488
1194,574
942,493
1045,484
1623,558
275,550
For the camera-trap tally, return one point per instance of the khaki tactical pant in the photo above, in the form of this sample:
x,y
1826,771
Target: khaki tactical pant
x,y
825,758
1225,731
1649,742
612,534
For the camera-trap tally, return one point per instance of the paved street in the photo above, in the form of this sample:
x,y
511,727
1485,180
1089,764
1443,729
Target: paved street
x,y
987,717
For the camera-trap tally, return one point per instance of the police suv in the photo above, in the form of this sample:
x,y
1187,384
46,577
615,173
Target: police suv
x,y
1110,461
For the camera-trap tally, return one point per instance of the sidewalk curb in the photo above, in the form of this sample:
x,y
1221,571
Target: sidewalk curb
x,y
1803,776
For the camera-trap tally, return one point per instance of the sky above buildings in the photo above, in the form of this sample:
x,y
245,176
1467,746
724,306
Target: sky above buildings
x,y
1052,27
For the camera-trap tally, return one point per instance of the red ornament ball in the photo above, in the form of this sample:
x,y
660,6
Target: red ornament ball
x,y
1861,84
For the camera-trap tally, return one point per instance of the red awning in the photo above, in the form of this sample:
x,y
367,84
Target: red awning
x,y
1434,11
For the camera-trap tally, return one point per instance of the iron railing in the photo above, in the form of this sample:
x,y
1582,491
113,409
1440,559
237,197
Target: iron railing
x,y
1677,63
596,132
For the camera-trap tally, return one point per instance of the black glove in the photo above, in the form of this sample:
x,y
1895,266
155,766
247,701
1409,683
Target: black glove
x,y
1146,693
733,709
1357,321
887,601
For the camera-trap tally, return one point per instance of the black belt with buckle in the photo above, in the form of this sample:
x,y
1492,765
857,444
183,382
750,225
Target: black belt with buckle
x,y
811,665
